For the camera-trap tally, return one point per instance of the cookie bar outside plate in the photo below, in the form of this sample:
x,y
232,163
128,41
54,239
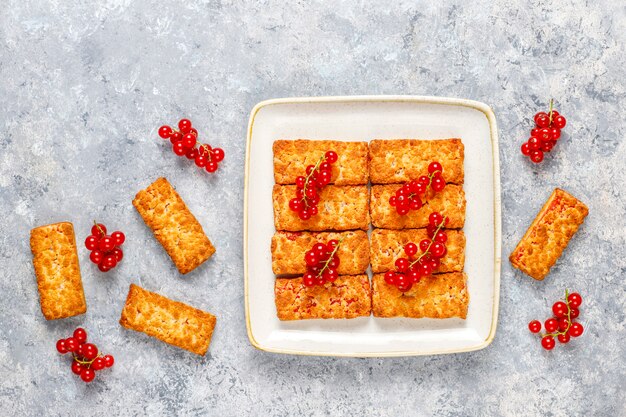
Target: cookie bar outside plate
x,y
549,234
55,259
289,248
402,160
291,157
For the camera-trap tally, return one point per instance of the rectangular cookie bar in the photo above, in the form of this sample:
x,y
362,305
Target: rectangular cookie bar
x,y
288,249
291,157
402,160
55,259
388,245
449,202
346,298
549,234
170,321
340,208
439,296
174,226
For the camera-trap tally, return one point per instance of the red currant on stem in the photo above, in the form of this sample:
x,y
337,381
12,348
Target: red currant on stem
x,y
184,125
534,326
165,132
548,342
322,262
87,374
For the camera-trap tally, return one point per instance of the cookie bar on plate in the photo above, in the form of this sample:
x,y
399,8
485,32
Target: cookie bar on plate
x,y
437,296
291,157
170,321
288,249
340,208
402,160
58,273
549,234
174,226
449,202
388,245
347,297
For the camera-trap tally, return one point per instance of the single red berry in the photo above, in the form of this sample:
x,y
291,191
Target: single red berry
x,y
106,244
402,264
545,135
192,153
184,125
525,149
575,330
109,261
563,337
332,244
410,249
218,154
71,344
61,346
310,258
295,204
80,335
556,133
559,121
118,254
414,276
102,267
176,137
548,342
330,275
179,148
547,146
405,285
425,268
79,350
109,360
87,374
563,324
534,326
536,156
165,132
300,181
425,244
90,351
441,236
304,214
434,167
574,300
438,183
91,242
541,118
98,230
200,160
390,278
435,218
118,237
211,166
77,368
574,313
559,309
189,140
204,150
331,157
98,364
334,263
535,132
402,210
438,249
308,279
551,325
534,143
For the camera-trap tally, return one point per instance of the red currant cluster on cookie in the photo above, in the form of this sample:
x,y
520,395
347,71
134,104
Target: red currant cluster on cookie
x,y
184,142
544,136
321,263
105,249
308,188
562,325
86,359
409,196
411,269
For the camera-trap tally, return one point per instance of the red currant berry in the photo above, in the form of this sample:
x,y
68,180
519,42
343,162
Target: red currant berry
x,y
90,351
438,250
438,183
441,236
179,149
311,258
402,210
61,346
547,146
435,263
559,309
77,368
556,133
176,137
563,324
534,326
80,335
435,218
218,154
334,263
405,286
98,364
106,244
574,313
559,121
165,132
574,300
540,117
548,342
575,330
525,149
434,167
534,144
109,261
402,264
332,244
414,276
102,267
98,230
300,181
535,132
425,244
184,125
331,157
331,275
109,360
118,254
536,156
87,374
563,337
189,141
211,166
204,150
308,279
91,242
71,344
545,135
304,214
118,237
410,249
423,180
415,203
295,204
324,178
200,160
390,278
551,325
191,154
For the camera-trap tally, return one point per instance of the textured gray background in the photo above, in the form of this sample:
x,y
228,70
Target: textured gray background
x,y
83,89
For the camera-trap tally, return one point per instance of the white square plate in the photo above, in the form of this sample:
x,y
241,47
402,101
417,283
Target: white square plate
x,y
364,118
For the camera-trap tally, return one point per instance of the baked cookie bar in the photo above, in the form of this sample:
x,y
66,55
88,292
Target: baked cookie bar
x,y
402,160
174,226
58,273
449,202
437,296
288,249
291,157
170,321
388,245
346,298
340,208
549,234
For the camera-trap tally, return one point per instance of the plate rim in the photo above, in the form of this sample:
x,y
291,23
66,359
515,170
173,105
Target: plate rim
x,y
477,105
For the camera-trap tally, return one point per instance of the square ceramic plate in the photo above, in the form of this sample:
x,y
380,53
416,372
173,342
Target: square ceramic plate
x,y
365,118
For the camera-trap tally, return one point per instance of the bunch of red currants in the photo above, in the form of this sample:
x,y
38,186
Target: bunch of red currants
x,y
562,325
86,359
105,249
545,134
409,196
308,188
321,263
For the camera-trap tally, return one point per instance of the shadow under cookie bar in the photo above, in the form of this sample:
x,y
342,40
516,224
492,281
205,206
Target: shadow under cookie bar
x,y
170,321
388,245
55,259
402,160
291,157
174,226
347,297
289,248
435,296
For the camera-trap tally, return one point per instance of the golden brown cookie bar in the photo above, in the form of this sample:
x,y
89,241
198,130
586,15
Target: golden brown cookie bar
x,y
288,249
340,208
439,296
402,160
291,157
388,245
170,321
58,273
174,226
346,298
449,202
549,234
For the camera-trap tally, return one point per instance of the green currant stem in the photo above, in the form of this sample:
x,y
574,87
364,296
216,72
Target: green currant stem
x,y
431,242
306,180
430,181
205,147
330,258
551,105
569,319
88,363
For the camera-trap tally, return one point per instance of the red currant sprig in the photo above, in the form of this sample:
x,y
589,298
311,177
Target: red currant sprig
x,y
307,188
411,269
321,263
184,143
105,249
563,325
86,359
408,198
545,134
